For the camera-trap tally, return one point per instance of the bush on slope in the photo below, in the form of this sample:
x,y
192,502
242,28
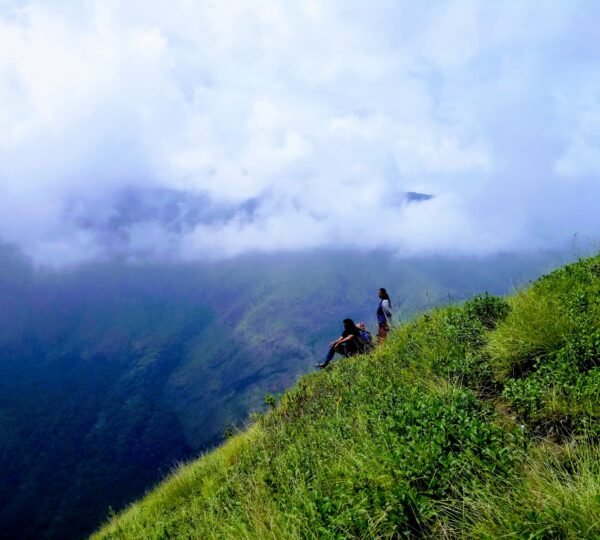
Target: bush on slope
x,y
550,361
391,444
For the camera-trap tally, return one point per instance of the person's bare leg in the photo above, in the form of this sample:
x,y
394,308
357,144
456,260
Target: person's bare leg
x,y
382,332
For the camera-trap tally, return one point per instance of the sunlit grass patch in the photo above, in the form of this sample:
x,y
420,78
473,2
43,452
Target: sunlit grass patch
x,y
556,494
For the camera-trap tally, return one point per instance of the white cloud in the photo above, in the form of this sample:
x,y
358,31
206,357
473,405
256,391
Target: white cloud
x,y
324,113
580,107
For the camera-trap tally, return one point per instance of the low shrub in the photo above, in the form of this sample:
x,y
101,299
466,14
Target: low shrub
x,y
464,333
546,317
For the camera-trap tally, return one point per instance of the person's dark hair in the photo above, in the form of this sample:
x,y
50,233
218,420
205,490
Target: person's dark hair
x,y
349,322
385,295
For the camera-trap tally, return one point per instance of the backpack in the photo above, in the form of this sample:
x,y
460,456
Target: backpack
x,y
366,339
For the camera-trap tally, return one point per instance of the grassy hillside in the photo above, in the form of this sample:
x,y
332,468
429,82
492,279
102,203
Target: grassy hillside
x,y
112,372
470,422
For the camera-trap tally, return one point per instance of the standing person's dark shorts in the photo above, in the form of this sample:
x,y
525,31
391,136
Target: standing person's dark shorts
x,y
384,314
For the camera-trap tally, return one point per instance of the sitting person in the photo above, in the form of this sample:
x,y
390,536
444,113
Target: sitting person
x,y
348,344
366,340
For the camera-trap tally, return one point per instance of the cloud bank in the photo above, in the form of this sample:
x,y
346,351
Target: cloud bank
x,y
195,130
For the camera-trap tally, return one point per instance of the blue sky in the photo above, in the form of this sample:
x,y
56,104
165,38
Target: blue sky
x,y
317,115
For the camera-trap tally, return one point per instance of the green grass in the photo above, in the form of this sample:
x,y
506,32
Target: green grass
x,y
549,358
555,495
478,420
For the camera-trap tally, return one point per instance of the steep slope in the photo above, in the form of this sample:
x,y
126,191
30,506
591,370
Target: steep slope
x,y
111,373
472,421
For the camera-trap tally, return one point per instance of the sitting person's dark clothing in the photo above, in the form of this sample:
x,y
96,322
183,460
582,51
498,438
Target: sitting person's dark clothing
x,y
348,344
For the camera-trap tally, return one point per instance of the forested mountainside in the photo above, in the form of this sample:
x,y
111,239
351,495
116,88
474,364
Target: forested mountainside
x,y
472,421
112,373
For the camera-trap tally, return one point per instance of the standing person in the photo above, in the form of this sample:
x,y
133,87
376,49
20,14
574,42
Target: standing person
x,y
347,344
384,314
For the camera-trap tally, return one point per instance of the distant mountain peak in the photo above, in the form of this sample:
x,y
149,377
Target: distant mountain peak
x,y
413,196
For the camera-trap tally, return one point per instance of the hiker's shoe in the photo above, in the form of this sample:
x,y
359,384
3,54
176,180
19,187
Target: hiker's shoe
x,y
320,365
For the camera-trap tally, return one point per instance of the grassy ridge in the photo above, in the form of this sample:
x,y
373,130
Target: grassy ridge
x,y
472,421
